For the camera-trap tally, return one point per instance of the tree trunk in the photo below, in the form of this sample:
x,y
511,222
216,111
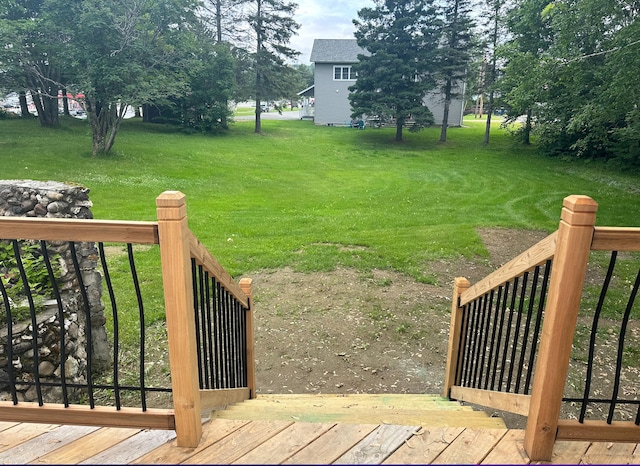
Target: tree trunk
x,y
527,128
399,125
65,103
105,120
487,128
445,111
24,107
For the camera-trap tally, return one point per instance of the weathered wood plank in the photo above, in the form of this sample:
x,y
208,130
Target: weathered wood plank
x,y
609,453
171,453
87,446
285,444
511,402
83,415
470,447
368,401
360,415
220,398
566,452
332,445
21,433
509,450
4,425
132,448
237,444
41,445
59,229
378,445
424,446
617,431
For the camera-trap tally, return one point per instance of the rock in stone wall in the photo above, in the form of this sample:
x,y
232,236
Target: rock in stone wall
x,y
28,198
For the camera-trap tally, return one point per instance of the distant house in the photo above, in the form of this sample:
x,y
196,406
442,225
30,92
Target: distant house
x,y
334,74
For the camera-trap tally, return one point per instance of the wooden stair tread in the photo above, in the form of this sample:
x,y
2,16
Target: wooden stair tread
x,y
413,410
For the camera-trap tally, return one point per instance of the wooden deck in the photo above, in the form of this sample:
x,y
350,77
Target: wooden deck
x,y
271,442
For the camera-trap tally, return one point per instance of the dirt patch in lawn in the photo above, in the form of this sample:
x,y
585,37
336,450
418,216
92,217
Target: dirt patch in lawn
x,y
376,332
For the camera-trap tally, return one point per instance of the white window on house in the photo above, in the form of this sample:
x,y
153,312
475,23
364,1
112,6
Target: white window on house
x,y
344,73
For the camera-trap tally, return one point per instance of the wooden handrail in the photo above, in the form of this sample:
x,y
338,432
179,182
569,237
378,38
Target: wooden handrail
x,y
616,239
536,255
211,265
62,229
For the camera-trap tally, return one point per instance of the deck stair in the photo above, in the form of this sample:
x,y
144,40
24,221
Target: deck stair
x,y
398,409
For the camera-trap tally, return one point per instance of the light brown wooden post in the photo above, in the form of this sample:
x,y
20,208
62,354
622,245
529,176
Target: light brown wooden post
x,y
575,233
460,284
245,285
178,296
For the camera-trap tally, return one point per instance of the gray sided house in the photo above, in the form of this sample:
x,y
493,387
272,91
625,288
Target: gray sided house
x,y
333,60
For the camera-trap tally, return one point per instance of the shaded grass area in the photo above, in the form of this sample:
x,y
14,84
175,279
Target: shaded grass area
x,y
296,193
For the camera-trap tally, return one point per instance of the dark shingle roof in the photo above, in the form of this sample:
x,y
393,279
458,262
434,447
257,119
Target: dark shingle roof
x,y
336,51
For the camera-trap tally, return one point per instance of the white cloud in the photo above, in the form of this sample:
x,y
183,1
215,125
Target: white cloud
x,y
324,19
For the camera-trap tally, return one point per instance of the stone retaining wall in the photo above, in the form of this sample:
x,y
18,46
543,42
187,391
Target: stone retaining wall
x,y
58,200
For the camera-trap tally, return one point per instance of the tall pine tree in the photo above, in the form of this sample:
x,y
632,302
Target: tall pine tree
x,y
455,52
273,25
401,38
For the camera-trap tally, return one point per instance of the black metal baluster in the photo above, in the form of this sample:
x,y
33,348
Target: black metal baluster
x,y
462,344
486,312
514,294
527,326
10,373
61,329
196,319
536,332
494,332
516,335
503,310
623,331
136,284
87,324
594,330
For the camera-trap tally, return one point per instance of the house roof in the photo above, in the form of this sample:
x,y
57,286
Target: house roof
x,y
308,92
336,51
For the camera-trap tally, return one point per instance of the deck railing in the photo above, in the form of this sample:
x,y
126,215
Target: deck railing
x,y
209,324
511,335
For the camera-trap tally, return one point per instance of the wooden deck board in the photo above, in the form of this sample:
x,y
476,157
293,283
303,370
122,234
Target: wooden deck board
x,y
273,442
87,446
132,448
20,433
285,444
42,444
378,445
333,444
509,450
424,446
470,447
238,443
170,453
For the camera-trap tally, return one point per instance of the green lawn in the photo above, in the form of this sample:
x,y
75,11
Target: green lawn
x,y
297,193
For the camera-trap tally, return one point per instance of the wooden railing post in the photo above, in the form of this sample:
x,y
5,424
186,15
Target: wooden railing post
x,y
575,233
245,285
460,284
178,295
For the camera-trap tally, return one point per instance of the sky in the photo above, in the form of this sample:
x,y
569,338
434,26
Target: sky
x,y
324,19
